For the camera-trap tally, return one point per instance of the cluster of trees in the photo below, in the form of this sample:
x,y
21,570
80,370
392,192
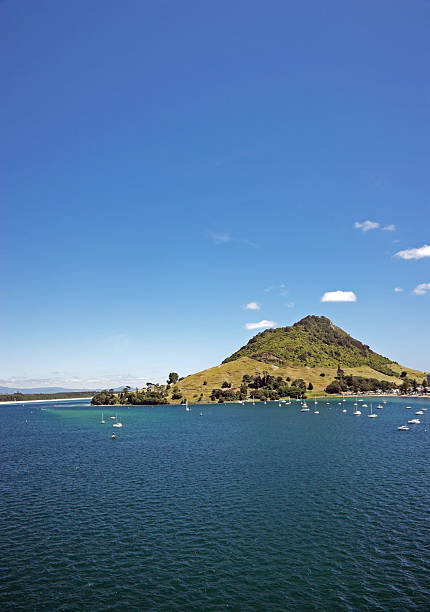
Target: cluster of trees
x,y
261,387
153,394
410,385
357,384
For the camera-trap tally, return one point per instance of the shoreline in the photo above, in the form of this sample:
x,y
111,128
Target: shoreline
x,y
42,401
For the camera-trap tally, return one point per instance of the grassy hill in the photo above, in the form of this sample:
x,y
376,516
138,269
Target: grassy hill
x,y
311,349
313,341
192,386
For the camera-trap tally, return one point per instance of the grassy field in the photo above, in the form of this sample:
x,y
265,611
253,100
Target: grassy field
x,y
193,386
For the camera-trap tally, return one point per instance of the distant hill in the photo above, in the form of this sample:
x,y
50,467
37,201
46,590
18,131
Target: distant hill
x,y
313,341
8,390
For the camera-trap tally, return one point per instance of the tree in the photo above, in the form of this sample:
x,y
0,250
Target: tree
x,y
176,394
226,385
310,386
173,378
299,383
334,387
340,373
403,374
243,391
205,382
322,374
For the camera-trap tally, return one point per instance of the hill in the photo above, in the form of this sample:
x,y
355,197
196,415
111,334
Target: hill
x,y
314,342
311,350
305,358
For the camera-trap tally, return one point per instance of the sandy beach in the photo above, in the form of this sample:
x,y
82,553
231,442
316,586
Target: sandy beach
x,y
42,401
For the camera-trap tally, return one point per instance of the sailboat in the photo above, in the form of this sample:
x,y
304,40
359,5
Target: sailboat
x,y
304,408
187,408
117,423
356,412
102,422
372,415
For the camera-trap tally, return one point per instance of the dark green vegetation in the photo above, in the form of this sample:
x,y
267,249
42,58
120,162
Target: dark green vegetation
x,y
260,387
152,395
357,384
25,397
313,341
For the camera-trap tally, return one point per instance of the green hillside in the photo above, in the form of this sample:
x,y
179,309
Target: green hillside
x,y
314,342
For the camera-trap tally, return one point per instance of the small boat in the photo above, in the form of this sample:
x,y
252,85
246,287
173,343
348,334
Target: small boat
x,y
102,422
187,408
344,410
316,411
365,406
372,415
117,424
201,414
356,412
403,428
414,422
304,408
408,407
112,417
113,436
419,412
379,406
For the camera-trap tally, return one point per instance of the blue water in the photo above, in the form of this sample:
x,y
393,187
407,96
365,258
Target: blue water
x,y
246,508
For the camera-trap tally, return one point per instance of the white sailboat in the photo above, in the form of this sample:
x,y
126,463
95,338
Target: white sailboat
x,y
102,422
304,408
372,415
187,408
117,423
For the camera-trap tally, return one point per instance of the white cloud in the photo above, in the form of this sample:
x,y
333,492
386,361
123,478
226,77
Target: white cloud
x,y
290,304
419,253
389,228
366,225
252,306
339,296
422,289
398,289
221,238
260,325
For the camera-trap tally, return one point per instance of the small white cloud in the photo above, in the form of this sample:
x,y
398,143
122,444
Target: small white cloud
x,y
290,304
389,228
339,296
252,306
419,253
398,289
221,238
422,289
365,226
260,325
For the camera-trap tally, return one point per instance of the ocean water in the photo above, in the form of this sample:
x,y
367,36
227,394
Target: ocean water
x,y
245,508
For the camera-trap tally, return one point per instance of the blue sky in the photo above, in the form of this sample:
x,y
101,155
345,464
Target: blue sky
x,y
167,163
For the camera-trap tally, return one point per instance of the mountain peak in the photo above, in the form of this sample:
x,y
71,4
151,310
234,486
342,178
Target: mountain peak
x,y
313,341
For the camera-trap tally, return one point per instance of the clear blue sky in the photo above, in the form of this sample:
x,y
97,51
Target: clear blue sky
x,y
167,163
